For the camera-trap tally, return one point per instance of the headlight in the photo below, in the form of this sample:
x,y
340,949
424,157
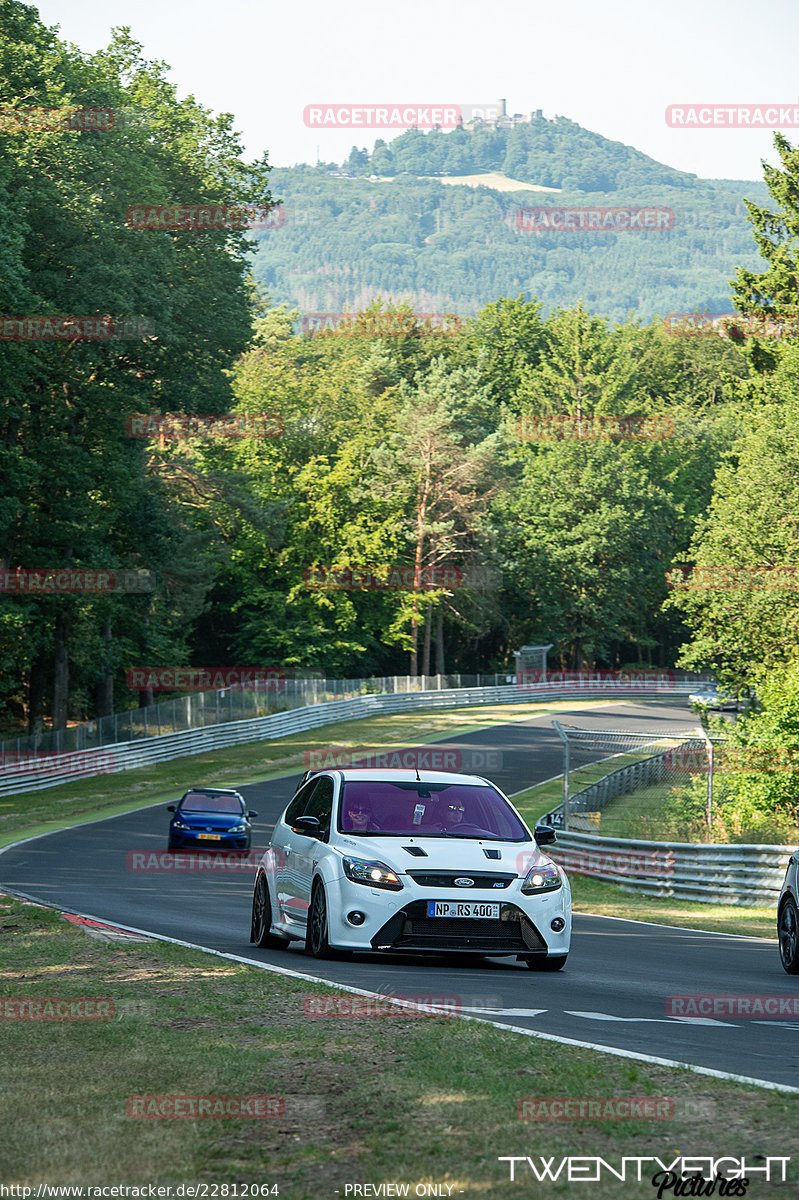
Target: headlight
x,y
238,829
544,878
176,824
373,874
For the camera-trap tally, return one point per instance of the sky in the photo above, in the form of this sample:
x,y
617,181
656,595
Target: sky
x,y
613,66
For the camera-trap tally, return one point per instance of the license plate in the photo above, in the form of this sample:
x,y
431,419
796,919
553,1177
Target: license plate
x,y
210,837
462,908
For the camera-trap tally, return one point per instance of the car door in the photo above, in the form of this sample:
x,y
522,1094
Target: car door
x,y
310,849
285,845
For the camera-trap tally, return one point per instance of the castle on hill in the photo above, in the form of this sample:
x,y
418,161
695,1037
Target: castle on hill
x,y
496,116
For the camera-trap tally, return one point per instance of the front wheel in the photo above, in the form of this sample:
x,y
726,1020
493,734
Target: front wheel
x,y
788,934
260,925
316,943
553,962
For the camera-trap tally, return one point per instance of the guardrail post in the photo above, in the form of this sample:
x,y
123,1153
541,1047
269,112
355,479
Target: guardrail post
x,y
565,741
709,810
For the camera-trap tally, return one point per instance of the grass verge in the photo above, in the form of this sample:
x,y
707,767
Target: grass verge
x,y
590,895
401,1100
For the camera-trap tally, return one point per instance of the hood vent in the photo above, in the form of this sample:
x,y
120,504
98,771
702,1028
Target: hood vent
x,y
491,853
416,851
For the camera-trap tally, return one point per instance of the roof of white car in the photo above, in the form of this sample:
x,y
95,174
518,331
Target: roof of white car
x,y
394,775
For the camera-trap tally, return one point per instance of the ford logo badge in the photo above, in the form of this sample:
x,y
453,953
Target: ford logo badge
x,y
464,881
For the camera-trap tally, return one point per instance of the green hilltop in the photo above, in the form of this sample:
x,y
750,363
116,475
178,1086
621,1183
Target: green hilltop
x,y
410,220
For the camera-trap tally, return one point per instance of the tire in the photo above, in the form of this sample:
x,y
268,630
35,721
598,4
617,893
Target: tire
x,y
788,934
316,943
554,962
262,919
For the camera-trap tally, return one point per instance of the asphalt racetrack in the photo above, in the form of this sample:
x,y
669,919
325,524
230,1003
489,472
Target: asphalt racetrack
x,y
612,992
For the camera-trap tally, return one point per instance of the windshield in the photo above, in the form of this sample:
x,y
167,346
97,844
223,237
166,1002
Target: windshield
x,y
199,802
428,810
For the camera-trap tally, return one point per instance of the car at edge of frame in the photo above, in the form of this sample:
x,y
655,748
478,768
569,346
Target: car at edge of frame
x,y
788,917
412,862
709,696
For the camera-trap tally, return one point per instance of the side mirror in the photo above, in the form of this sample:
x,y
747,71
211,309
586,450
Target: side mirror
x,y
545,835
252,814
307,825
170,808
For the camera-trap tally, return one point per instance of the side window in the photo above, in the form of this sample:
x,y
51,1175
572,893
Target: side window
x,y
320,805
297,806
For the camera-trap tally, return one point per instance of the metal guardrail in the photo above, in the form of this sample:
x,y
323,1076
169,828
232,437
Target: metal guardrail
x,y
50,771
714,874
221,705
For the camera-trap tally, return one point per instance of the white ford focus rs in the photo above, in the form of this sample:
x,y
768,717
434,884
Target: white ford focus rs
x,y
408,861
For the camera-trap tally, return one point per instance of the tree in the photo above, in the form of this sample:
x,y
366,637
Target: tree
x,y
775,291
741,597
79,488
441,465
586,538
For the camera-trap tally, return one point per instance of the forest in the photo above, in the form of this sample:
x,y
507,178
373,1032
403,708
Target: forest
x,y
391,496
395,225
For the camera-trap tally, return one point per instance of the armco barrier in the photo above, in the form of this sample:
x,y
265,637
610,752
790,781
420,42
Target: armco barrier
x,y
126,756
714,874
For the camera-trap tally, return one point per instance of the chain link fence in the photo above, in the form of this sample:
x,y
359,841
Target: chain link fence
x,y
686,785
619,783
234,703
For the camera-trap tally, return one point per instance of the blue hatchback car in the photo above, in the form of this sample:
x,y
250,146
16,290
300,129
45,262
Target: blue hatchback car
x,y
210,819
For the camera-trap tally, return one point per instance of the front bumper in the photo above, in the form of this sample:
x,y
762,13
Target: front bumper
x,y
184,839
398,921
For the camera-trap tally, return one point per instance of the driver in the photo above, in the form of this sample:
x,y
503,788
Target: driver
x,y
452,815
358,816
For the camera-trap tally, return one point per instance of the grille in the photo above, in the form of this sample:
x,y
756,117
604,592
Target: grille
x,y
412,929
482,879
